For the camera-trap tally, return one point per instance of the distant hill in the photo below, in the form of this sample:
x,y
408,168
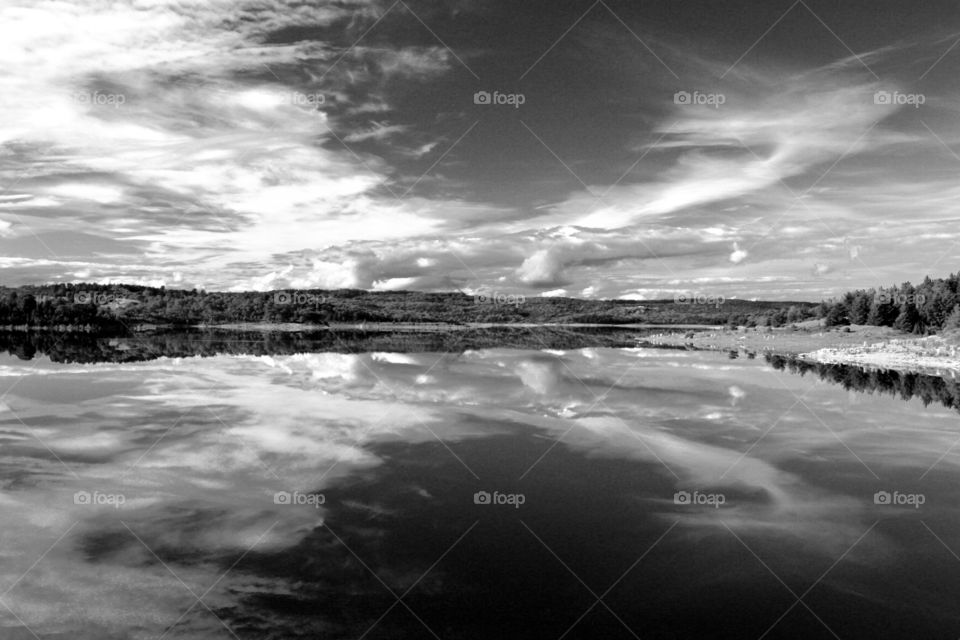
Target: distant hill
x,y
119,307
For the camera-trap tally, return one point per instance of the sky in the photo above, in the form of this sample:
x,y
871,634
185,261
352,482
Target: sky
x,y
774,149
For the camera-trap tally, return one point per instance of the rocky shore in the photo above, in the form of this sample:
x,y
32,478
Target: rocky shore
x,y
866,346
934,355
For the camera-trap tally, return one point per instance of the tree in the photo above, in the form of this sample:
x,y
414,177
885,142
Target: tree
x,y
860,309
935,301
28,308
953,320
908,320
778,318
838,314
883,311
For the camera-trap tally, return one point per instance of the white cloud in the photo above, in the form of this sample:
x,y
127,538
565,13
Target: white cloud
x,y
211,169
738,255
542,268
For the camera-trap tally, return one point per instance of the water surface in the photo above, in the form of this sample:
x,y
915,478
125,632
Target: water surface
x,y
343,495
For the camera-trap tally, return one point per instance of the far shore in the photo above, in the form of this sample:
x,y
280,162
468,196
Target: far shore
x,y
437,326
303,327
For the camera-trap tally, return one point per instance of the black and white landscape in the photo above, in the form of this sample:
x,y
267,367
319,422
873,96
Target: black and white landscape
x,y
468,319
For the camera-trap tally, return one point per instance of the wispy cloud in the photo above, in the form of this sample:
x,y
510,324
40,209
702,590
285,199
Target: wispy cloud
x,y
251,145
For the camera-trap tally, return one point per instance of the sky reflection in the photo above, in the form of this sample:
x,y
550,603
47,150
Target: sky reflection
x,y
197,449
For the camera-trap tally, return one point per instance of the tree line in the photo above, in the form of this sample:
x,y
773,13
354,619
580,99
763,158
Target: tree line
x,y
98,308
929,307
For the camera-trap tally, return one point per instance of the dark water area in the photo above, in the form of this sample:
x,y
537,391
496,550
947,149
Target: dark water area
x,y
87,348
480,492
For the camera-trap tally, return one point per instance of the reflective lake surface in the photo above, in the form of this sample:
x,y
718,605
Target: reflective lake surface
x,y
596,492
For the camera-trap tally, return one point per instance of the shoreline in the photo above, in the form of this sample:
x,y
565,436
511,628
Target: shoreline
x,y
931,355
436,326
879,348
869,347
298,327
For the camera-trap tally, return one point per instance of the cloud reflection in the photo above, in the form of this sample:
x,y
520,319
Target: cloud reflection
x,y
198,447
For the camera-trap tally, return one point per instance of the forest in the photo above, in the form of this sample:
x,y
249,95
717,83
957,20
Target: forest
x,y
118,308
929,307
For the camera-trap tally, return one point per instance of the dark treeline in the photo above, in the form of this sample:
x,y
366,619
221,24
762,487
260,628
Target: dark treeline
x,y
89,348
898,384
930,307
118,308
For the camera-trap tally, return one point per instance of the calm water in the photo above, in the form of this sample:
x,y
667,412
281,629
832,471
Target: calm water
x,y
345,495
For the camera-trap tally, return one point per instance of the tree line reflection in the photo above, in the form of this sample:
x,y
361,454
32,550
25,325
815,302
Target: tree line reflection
x,y
904,385
88,349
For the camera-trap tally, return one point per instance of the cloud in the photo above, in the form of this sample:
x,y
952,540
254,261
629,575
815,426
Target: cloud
x,y
378,131
247,145
542,268
738,255
754,142
178,112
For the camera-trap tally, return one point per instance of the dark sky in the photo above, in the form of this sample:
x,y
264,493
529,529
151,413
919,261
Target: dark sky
x,y
755,149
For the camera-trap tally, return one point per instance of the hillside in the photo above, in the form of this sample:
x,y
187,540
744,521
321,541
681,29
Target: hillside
x,y
92,307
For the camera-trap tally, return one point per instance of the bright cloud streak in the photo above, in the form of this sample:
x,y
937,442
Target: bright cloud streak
x,y
247,145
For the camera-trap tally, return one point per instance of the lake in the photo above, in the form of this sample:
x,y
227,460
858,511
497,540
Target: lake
x,y
557,486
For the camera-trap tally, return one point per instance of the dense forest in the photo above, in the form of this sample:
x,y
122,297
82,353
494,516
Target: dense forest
x,y
120,308
929,307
